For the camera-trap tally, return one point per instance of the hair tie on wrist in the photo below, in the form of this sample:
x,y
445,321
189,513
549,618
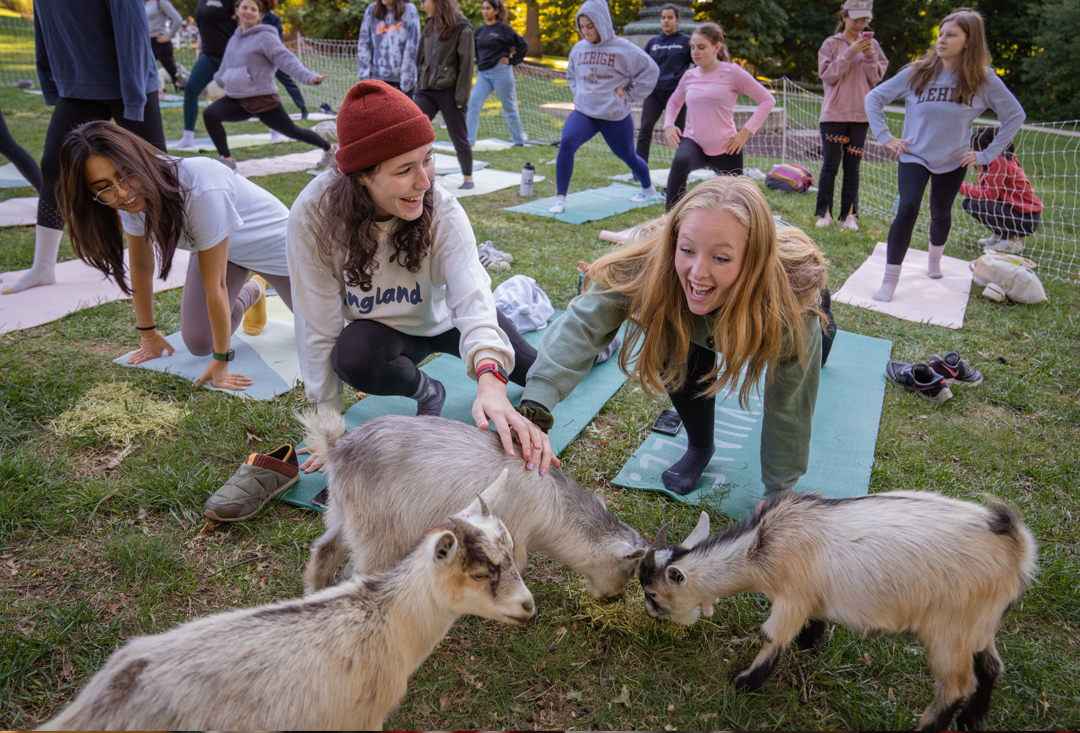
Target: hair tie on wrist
x,y
146,328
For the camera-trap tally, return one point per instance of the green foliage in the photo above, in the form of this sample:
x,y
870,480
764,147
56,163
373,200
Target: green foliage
x,y
325,18
1052,75
754,31
558,31
1010,33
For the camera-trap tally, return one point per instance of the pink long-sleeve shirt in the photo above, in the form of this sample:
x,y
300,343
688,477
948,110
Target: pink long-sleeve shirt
x,y
848,81
710,105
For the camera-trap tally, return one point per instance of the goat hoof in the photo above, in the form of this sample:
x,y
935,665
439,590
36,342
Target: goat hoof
x,y
746,681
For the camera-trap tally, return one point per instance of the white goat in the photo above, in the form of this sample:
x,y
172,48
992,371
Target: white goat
x,y
907,562
339,659
395,474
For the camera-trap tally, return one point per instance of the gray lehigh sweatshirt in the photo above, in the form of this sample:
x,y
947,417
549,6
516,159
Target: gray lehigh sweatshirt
x,y
939,129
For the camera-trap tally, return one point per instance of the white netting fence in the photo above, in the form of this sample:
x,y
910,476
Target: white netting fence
x,y
1049,152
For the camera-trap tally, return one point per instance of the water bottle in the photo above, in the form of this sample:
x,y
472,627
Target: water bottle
x,y
527,173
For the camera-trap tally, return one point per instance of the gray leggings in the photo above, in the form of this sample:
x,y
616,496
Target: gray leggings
x,y
195,318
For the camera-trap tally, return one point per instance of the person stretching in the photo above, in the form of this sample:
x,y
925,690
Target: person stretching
x,y
253,55
713,276
605,73
1003,201
271,19
671,52
114,186
943,92
386,272
710,91
216,23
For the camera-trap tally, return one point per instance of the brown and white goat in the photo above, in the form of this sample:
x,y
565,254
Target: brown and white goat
x,y
906,562
396,474
339,659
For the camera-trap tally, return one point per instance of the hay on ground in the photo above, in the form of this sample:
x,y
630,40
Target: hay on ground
x,y
118,414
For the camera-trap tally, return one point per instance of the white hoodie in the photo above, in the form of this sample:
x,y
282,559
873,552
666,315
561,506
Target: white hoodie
x,y
596,69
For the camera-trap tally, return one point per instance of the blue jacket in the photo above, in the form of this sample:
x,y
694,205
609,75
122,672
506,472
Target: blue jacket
x,y
118,64
672,55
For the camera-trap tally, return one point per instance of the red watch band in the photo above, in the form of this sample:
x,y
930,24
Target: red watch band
x,y
494,369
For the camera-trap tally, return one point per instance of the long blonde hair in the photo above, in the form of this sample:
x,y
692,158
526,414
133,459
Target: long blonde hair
x,y
973,68
782,275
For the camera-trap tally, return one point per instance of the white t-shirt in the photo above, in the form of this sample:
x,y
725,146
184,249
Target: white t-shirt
x,y
219,204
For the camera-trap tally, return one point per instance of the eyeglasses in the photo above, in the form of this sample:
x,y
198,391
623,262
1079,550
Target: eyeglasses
x,y
109,194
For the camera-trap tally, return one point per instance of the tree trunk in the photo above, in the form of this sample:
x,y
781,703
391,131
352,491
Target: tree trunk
x,y
532,28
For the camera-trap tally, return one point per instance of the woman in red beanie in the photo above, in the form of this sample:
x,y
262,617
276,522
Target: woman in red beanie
x,y
378,245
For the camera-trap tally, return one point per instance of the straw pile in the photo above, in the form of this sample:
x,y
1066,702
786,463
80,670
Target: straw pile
x,y
117,414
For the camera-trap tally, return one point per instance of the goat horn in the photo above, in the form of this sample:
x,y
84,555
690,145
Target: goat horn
x,y
484,511
463,526
661,538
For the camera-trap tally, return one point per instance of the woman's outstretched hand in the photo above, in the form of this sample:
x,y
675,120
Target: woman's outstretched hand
x,y
151,348
217,374
492,407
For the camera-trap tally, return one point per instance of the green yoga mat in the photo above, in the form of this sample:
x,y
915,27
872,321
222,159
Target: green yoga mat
x,y
583,206
571,415
846,421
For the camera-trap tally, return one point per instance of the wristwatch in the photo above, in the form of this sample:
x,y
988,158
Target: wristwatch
x,y
495,369
227,356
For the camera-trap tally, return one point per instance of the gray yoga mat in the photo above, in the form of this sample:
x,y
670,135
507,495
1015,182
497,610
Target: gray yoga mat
x,y
571,415
590,205
845,429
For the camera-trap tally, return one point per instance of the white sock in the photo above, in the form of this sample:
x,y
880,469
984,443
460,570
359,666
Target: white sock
x,y
888,283
43,271
187,140
276,137
559,207
933,261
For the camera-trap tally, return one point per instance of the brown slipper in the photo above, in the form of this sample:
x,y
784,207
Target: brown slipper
x,y
262,477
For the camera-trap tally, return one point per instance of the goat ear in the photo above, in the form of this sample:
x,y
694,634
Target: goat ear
x,y
701,531
633,553
445,547
599,496
675,576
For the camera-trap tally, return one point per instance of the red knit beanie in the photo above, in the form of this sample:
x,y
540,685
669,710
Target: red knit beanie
x,y
376,123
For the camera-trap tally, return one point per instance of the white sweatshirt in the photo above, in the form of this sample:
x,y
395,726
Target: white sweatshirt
x,y
451,290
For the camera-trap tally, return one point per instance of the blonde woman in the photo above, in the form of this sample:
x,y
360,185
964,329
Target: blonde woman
x,y
944,92
712,276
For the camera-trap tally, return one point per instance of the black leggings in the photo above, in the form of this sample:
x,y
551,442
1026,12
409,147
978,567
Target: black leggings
x,y
431,102
652,110
1002,219
842,143
163,52
911,179
69,114
228,109
689,157
14,152
372,357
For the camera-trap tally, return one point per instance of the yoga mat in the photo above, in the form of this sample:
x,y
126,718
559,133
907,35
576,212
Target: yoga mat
x,y
660,175
917,298
486,145
10,177
78,286
845,428
205,145
173,104
18,212
448,164
583,206
269,359
571,415
487,180
291,163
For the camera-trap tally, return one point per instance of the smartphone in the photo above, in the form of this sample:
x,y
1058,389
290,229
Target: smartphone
x,y
669,423
867,34
321,498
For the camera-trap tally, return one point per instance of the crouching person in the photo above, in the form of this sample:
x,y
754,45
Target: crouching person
x,y
386,272
713,276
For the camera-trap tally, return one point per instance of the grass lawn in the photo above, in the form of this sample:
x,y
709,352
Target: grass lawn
x,y
99,543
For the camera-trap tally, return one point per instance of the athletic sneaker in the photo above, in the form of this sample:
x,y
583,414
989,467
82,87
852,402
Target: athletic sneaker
x,y
823,221
851,224
227,162
277,137
990,241
559,207
920,379
1005,247
495,253
643,195
490,259
608,352
328,161
955,370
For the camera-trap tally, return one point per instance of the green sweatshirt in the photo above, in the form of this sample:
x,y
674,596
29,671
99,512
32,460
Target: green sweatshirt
x,y
571,343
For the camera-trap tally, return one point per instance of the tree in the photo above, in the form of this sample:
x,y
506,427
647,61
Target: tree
x,y
326,18
1010,33
753,30
1052,74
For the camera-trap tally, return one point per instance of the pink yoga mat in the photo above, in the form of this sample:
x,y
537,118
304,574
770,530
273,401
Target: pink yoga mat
x,y
917,298
18,212
77,287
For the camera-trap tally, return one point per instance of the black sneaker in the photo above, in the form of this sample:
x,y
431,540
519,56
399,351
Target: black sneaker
x,y
955,370
920,379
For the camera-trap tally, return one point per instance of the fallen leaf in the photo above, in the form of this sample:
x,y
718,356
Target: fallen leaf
x,y
866,658
65,671
670,708
706,717
561,631
443,702
113,607
891,696
623,698
668,727
143,517
574,694
249,436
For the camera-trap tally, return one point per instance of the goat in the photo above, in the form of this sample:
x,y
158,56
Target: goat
x,y
395,474
907,562
339,659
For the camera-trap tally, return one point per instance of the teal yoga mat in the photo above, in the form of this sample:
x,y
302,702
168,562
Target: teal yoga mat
x,y
846,421
571,415
583,206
